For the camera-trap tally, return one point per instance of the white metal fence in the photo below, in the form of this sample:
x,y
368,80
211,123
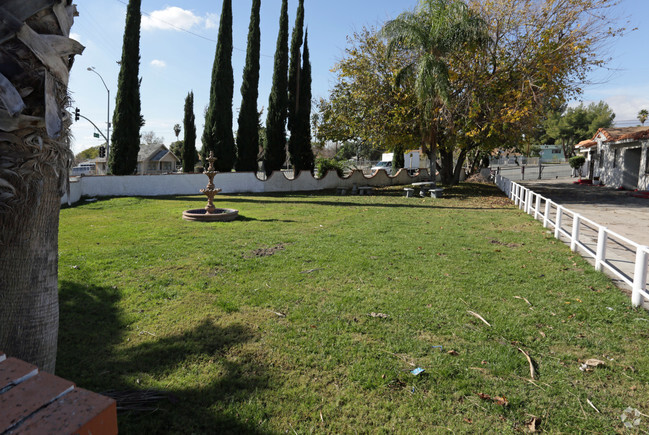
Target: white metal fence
x,y
611,251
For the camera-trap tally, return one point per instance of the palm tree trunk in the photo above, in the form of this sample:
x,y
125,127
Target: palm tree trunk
x,y
35,157
431,151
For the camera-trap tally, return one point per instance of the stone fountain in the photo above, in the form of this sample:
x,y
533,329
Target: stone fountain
x,y
210,213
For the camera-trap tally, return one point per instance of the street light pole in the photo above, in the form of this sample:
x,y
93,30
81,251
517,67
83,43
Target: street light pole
x,y
92,68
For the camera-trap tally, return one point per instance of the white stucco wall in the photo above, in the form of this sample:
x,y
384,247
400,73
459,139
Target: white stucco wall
x,y
233,182
613,172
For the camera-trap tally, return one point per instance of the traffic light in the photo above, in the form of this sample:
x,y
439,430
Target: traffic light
x,y
102,151
76,114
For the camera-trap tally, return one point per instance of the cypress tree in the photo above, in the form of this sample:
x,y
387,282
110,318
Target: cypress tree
x,y
248,133
294,69
127,119
189,126
217,134
302,158
398,159
275,152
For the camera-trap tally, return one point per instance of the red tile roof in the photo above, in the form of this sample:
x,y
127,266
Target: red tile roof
x,y
586,144
625,133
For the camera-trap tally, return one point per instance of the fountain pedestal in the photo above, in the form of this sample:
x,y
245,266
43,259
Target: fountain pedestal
x,y
211,213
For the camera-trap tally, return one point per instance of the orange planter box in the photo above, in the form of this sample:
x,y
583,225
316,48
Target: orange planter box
x,y
33,402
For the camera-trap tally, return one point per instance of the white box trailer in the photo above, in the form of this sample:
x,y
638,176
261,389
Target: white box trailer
x,y
410,161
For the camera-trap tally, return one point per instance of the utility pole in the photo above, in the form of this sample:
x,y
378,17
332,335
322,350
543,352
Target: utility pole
x,y
92,68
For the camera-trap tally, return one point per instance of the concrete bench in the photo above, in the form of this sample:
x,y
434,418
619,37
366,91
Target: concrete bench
x,y
435,193
37,402
409,191
365,190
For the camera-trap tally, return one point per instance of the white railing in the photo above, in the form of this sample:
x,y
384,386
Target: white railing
x,y
610,250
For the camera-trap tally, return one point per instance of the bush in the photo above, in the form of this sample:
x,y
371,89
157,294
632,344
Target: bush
x,y
323,165
577,162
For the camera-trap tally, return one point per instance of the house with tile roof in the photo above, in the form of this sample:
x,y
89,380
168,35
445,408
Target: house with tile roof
x,y
151,159
618,156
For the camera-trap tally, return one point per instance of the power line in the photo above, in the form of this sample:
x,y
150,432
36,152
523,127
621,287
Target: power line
x,y
185,30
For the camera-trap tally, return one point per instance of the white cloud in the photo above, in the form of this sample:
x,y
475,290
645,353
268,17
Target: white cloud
x,y
158,63
175,18
211,21
625,102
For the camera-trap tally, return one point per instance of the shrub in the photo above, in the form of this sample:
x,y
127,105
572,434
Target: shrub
x,y
577,162
324,165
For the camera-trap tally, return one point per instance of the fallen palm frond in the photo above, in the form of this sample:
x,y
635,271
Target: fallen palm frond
x,y
479,317
529,360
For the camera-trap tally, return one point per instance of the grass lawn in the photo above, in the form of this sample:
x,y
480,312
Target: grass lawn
x,y
309,312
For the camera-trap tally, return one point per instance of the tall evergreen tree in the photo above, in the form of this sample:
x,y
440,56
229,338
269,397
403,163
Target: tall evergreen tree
x,y
294,68
248,133
127,119
217,134
302,154
275,152
189,126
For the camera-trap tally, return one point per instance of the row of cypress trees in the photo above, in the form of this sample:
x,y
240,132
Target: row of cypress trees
x,y
290,99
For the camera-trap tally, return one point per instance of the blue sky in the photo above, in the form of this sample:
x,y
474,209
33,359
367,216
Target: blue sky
x,y
173,61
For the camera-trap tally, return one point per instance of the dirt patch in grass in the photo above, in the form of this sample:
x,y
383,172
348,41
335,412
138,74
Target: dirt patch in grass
x,y
509,245
265,252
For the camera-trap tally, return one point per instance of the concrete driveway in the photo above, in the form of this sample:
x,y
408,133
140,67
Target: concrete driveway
x,y
617,210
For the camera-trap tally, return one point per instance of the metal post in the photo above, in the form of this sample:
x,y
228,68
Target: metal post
x,y
557,226
601,248
575,233
639,276
92,69
523,172
546,216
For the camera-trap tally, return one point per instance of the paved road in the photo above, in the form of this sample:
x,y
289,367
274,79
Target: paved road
x,y
620,212
531,172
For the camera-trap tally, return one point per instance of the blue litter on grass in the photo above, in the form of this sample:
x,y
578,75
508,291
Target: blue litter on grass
x,y
438,347
417,371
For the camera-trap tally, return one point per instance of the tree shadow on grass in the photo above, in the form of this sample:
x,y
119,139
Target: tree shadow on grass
x,y
92,354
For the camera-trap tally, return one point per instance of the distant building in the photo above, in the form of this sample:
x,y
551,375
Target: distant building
x,y
551,154
152,159
618,156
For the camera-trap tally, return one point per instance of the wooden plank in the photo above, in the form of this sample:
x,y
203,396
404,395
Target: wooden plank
x,y
29,396
79,412
14,371
10,96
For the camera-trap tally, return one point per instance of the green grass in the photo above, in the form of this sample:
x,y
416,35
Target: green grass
x,y
263,325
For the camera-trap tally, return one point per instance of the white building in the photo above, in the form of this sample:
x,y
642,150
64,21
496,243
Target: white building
x,y
619,157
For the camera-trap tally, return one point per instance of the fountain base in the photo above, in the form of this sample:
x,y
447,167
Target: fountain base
x,y
219,215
